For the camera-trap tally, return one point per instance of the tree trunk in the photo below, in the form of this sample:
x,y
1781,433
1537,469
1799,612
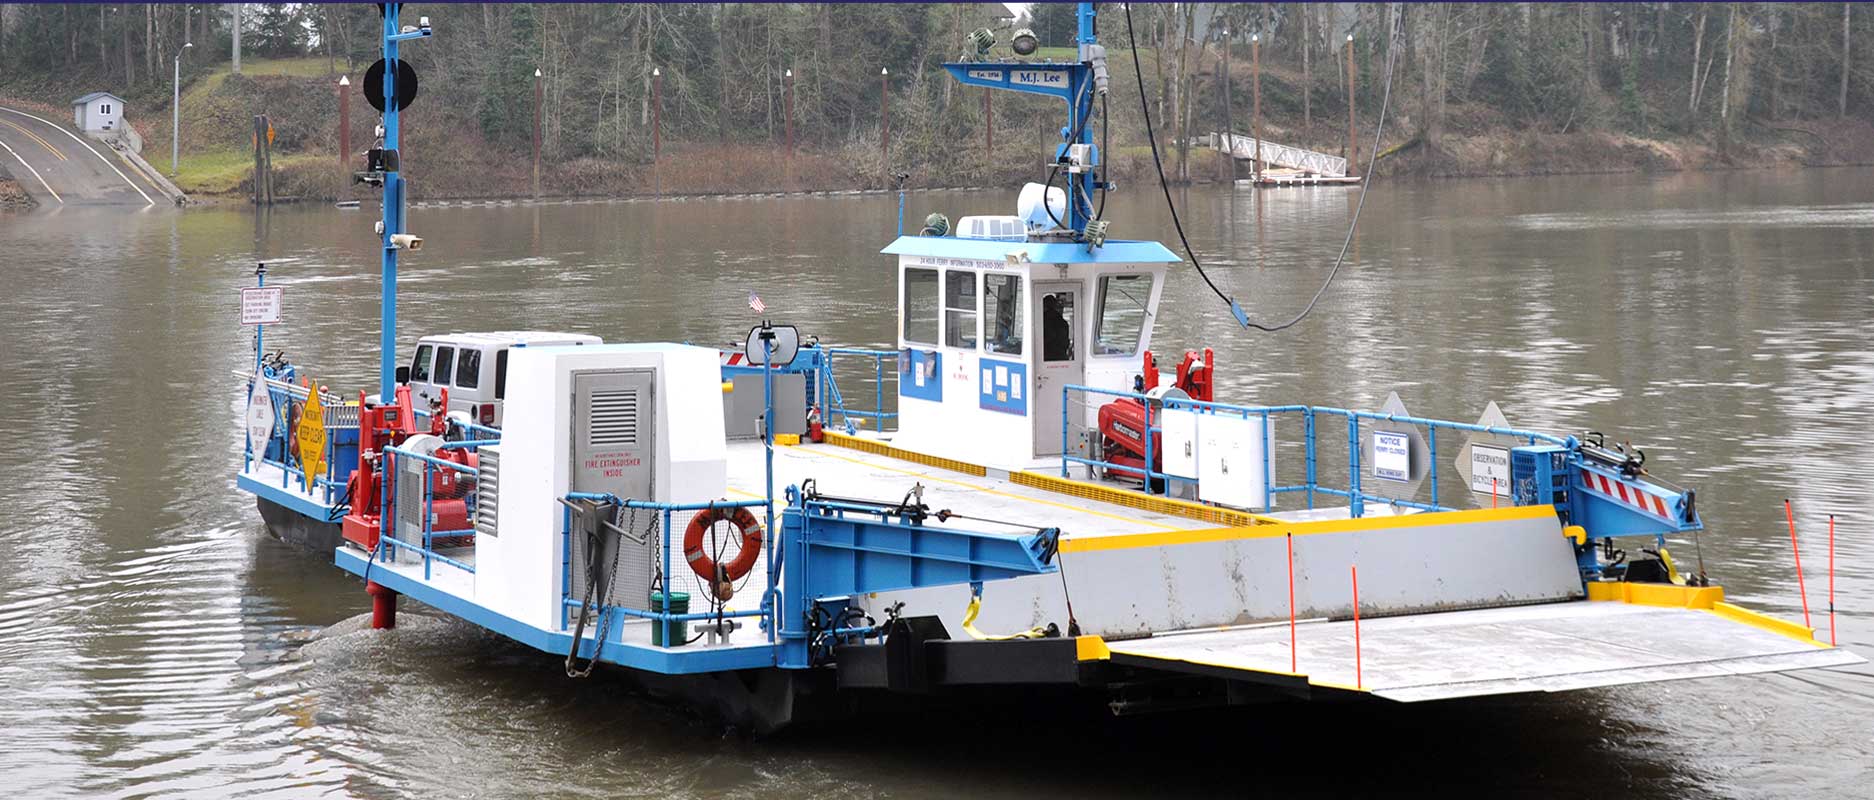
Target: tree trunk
x,y
123,35
1724,103
1841,97
1307,78
1698,49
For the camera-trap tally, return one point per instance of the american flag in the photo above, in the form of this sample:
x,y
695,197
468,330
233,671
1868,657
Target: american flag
x,y
754,302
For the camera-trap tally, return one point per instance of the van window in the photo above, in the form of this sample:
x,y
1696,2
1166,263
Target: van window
x,y
419,366
920,306
960,298
1002,302
468,371
445,363
1122,314
501,374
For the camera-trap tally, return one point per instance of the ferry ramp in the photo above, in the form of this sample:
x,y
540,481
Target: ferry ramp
x,y
61,168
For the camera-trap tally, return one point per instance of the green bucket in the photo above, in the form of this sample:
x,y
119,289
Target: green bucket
x,y
672,630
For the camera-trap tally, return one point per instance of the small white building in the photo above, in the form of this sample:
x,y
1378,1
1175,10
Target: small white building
x,y
98,111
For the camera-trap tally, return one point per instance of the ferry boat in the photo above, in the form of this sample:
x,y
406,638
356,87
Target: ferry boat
x,y
1045,510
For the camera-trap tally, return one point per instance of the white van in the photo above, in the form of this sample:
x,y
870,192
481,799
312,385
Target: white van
x,y
474,368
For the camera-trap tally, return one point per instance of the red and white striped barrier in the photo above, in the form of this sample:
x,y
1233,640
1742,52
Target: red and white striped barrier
x,y
1627,493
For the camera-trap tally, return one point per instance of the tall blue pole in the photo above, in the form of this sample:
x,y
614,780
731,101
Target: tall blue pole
x,y
393,215
1082,118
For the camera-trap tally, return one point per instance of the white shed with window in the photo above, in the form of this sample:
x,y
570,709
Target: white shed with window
x,y
990,332
98,111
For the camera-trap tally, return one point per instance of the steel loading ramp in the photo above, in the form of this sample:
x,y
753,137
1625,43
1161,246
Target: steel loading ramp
x,y
1538,648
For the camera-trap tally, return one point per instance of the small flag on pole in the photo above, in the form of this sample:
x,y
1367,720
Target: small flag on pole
x,y
754,302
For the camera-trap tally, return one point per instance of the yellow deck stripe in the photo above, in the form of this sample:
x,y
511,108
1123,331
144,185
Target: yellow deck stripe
x,y
983,489
1087,544
1767,623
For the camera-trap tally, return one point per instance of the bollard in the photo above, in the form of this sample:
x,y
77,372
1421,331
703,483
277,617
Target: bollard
x,y
383,606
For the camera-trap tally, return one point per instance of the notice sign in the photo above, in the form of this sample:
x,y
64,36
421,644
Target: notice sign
x,y
1392,456
260,305
1490,470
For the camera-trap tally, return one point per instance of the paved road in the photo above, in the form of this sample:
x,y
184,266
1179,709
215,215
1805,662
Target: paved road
x,y
59,167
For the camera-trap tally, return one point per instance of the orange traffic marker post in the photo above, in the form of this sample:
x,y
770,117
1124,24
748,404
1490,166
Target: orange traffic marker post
x,y
1293,662
1791,516
1359,680
1831,580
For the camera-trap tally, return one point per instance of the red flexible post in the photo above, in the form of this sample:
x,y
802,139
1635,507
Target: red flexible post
x,y
1831,580
1493,492
1790,514
1292,660
1359,680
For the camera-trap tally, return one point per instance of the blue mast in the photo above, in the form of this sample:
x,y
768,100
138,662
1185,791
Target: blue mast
x,y
1079,84
393,200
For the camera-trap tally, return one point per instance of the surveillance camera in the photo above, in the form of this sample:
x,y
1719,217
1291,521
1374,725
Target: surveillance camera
x,y
404,241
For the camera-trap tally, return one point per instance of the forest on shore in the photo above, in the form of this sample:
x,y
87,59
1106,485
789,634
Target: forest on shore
x,y
740,97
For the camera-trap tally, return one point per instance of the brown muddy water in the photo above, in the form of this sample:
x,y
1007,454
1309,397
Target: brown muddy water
x,y
155,642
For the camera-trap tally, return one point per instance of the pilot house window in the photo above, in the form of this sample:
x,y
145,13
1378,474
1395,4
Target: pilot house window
x,y
960,298
1002,302
1122,317
920,306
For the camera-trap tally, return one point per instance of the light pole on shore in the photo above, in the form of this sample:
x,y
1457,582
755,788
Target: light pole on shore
x,y
536,133
657,129
344,130
175,112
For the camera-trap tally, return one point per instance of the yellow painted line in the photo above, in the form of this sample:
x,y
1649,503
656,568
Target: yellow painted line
x,y
35,137
29,168
985,490
1766,622
147,202
1139,500
1087,544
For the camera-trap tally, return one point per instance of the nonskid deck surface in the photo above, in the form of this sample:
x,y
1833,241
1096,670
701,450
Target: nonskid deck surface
x,y
846,472
1541,648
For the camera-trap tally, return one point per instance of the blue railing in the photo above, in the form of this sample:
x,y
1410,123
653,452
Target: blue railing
x,y
281,451
387,488
1309,416
836,402
664,616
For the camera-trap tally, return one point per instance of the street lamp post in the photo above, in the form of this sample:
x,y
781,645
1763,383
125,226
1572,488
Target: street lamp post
x,y
175,113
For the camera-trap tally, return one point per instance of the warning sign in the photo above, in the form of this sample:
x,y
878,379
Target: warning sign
x,y
311,437
260,305
259,416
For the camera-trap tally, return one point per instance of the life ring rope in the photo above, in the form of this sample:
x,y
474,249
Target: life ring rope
x,y
701,561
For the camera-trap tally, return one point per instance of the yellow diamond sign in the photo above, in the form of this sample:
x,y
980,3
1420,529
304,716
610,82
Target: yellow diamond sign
x,y
311,436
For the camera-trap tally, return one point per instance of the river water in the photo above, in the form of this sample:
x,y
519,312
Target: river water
x,y
155,642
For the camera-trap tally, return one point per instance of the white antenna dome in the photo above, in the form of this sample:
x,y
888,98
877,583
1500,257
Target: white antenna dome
x,y
1028,206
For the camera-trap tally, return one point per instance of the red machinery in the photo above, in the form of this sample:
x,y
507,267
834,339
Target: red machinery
x,y
384,426
1123,422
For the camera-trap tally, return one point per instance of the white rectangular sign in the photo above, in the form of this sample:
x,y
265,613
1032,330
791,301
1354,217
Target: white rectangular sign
x,y
986,74
261,305
1490,464
1053,79
1392,456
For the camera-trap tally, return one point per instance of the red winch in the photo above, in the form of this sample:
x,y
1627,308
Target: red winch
x,y
384,426
1123,421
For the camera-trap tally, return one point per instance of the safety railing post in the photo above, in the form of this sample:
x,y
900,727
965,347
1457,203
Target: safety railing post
x,y
1146,473
1064,413
1356,507
878,386
1268,466
1307,422
665,547
1431,439
429,497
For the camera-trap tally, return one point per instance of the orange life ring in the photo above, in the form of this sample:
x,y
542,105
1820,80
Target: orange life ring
x,y
744,560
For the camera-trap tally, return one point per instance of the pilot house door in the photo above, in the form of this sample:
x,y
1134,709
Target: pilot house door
x,y
1057,326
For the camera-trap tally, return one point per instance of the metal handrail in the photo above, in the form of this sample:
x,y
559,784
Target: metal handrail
x,y
1311,485
838,405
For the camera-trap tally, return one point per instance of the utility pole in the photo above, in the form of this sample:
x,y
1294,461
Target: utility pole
x,y
989,123
787,91
344,130
657,129
884,118
175,112
1353,143
1255,54
536,133
1228,165
237,38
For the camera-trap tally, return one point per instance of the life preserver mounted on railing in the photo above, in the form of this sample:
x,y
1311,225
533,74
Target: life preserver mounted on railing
x,y
722,576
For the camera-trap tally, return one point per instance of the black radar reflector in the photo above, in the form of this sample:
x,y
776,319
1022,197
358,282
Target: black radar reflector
x,y
374,84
